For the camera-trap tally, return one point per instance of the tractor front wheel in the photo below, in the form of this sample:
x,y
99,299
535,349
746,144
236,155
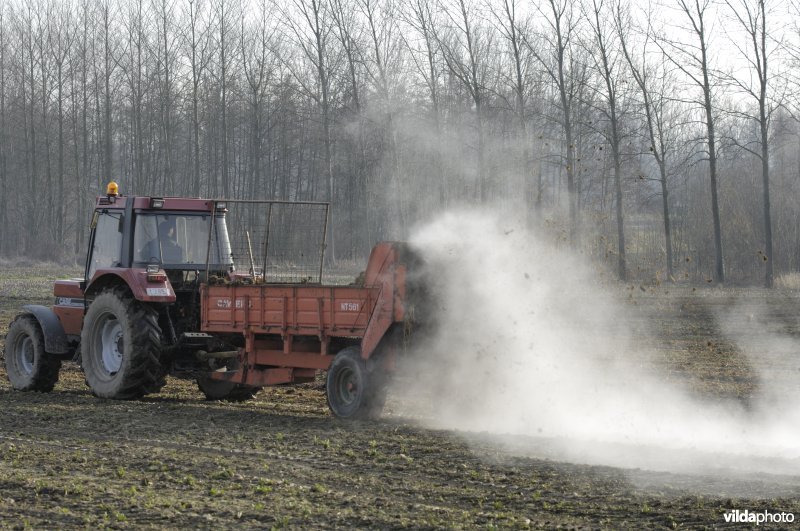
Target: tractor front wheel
x,y
121,347
352,391
28,366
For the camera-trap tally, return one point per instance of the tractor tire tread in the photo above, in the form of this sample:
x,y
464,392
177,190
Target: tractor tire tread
x,y
373,396
145,374
45,378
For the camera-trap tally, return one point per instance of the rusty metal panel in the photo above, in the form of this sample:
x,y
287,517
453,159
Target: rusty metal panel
x,y
68,288
257,378
325,309
71,319
266,377
306,360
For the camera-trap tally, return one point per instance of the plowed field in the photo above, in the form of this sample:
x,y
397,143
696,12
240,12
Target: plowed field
x,y
70,460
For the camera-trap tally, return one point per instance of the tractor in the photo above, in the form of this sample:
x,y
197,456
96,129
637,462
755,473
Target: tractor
x,y
169,290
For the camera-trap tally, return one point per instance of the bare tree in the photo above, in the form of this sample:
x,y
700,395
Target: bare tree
x,y
166,36
61,36
555,55
133,70
358,177
348,32
692,58
42,42
466,50
83,61
513,27
654,81
607,64
420,16
224,19
109,45
310,23
258,68
27,31
4,195
383,65
383,57
197,40
763,44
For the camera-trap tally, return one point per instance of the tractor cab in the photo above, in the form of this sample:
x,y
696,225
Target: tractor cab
x,y
157,237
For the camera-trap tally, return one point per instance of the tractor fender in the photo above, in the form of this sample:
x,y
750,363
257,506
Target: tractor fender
x,y
135,280
55,340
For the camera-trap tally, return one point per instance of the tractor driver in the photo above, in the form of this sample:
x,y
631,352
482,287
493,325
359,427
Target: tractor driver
x,y
171,252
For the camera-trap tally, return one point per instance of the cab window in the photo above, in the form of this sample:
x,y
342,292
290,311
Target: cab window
x,y
180,240
107,248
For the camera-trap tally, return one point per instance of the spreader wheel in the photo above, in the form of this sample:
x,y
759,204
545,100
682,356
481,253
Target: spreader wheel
x,y
121,347
228,391
352,391
28,366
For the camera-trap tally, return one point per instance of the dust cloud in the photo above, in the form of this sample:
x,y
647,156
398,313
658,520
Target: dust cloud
x,y
526,344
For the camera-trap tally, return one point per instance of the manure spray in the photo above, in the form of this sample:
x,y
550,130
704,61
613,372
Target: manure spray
x,y
527,344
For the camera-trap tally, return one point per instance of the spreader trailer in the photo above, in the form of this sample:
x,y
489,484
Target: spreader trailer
x,y
292,331
228,293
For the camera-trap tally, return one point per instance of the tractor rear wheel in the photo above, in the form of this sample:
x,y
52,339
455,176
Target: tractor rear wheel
x,y
121,347
28,366
228,391
352,391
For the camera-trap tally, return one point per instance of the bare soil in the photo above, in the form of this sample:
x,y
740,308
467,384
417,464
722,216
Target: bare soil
x,y
70,460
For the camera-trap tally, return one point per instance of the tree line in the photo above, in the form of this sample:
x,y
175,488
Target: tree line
x,y
660,140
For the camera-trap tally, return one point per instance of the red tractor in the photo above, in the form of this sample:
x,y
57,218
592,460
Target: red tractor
x,y
168,290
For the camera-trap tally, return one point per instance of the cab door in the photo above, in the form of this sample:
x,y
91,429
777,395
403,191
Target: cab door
x,y
105,247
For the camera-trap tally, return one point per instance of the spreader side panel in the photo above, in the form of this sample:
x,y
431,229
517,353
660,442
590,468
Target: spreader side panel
x,y
313,310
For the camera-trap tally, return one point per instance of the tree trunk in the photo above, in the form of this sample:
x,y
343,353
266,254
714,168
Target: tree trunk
x,y
108,168
4,236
